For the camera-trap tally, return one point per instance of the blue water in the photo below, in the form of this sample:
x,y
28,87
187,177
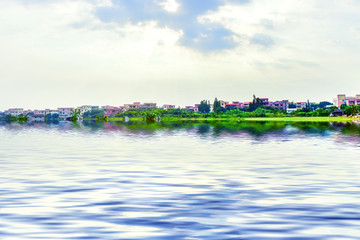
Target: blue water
x,y
179,181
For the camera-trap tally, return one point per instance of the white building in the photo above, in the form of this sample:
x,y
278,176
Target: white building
x,y
84,108
65,112
14,111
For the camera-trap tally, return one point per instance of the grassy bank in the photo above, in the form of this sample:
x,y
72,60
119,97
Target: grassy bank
x,y
266,119
303,119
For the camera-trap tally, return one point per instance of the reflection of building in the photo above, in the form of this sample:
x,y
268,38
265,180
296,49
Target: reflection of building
x,y
343,99
36,118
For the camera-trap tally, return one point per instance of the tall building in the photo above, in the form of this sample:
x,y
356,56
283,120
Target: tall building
x,y
343,99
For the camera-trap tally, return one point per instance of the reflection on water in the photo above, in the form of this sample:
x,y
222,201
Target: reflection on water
x,y
180,180
255,130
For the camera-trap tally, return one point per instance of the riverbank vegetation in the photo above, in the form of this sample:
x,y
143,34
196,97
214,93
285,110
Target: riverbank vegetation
x,y
256,111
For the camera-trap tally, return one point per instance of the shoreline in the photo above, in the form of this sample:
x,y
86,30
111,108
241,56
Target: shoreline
x,y
258,119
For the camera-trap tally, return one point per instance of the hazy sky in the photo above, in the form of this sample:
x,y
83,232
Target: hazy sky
x,y
68,53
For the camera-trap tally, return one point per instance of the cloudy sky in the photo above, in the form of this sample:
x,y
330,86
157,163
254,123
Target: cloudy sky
x,y
68,53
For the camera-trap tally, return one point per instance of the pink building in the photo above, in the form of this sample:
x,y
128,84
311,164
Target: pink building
x,y
42,112
343,99
109,111
300,105
284,104
149,105
195,109
65,112
132,106
246,104
236,104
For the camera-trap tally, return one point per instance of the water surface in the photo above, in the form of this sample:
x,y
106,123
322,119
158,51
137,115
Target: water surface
x,y
180,181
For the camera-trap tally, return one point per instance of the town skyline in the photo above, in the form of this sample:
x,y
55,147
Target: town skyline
x,y
160,104
112,109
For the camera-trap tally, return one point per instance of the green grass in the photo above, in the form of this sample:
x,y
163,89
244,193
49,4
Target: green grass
x,y
301,119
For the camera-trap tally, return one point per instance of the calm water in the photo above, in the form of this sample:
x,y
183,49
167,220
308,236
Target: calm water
x,y
179,181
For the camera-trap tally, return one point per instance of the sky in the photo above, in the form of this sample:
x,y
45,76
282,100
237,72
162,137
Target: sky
x,y
60,53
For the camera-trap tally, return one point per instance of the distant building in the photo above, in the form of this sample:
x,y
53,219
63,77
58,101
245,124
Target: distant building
x,y
112,111
337,113
168,106
14,111
223,103
195,109
246,104
42,112
290,110
232,106
65,112
148,105
284,104
84,108
300,105
265,102
26,112
135,105
343,99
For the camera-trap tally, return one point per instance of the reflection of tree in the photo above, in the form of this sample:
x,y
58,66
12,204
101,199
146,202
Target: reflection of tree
x,y
313,127
258,130
351,129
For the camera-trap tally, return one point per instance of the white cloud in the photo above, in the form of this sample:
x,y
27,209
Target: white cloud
x,y
170,5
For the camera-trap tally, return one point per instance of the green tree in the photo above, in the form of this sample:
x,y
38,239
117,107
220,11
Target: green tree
x,y
75,115
204,106
323,104
256,103
216,105
292,105
95,113
351,110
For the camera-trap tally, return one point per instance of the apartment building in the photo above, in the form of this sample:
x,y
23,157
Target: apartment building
x,y
168,106
300,105
14,111
65,111
84,108
348,100
284,104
